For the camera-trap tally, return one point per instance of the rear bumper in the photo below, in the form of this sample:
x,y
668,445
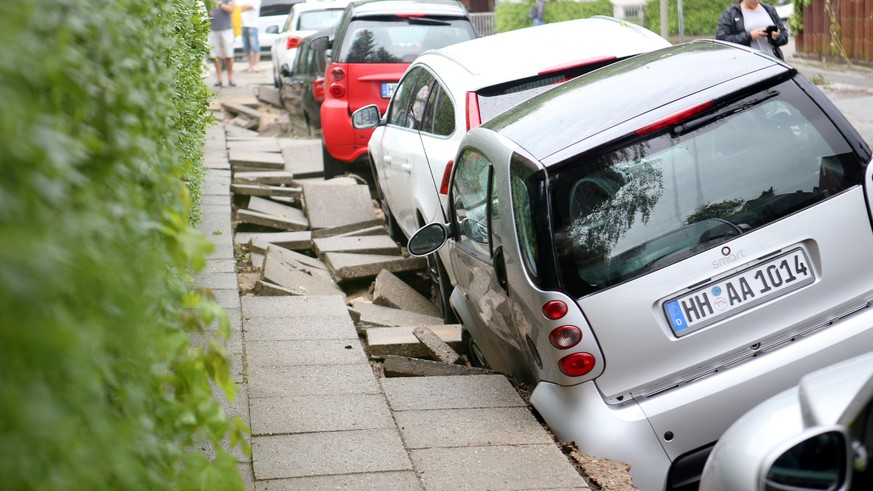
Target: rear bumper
x,y
651,434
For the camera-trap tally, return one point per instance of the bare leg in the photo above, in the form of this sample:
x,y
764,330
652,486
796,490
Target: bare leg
x,y
257,57
250,55
229,63
217,69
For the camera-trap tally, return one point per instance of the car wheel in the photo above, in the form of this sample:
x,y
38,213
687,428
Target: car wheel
x,y
471,349
442,288
332,167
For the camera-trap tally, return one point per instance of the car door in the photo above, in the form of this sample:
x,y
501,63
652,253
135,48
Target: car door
x,y
439,149
474,204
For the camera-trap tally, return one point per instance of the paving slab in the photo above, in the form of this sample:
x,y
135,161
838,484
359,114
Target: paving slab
x,y
340,452
371,481
496,467
272,221
335,326
312,380
404,366
329,205
371,244
266,289
298,278
237,133
235,109
294,307
480,391
375,226
295,241
219,266
262,144
270,95
400,340
350,267
378,316
266,178
257,260
215,189
470,427
302,156
255,160
435,346
269,191
217,281
391,291
273,208
305,352
308,414
293,257
229,299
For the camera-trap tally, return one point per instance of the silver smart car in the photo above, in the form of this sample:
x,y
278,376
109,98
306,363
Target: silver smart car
x,y
660,245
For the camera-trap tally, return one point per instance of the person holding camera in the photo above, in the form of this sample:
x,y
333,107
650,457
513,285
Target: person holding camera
x,y
754,24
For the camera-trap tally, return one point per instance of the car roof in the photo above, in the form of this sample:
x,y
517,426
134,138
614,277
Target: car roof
x,y
329,5
625,96
433,7
495,59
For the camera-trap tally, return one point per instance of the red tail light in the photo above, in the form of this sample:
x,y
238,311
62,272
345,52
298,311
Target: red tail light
x,y
473,117
674,118
337,90
576,64
408,15
565,337
318,89
447,174
292,42
555,309
337,73
577,364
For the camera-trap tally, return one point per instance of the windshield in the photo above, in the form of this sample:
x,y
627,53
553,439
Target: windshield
x,y
654,202
318,19
400,40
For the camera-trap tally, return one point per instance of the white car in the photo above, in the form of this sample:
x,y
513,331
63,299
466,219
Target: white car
x,y
270,18
304,19
784,8
448,91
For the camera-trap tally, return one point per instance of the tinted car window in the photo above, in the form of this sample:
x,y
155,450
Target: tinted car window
x,y
318,19
473,202
439,117
398,113
421,92
656,201
275,7
399,40
525,186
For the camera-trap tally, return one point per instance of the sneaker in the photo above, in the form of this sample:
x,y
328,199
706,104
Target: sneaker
x,y
231,83
218,84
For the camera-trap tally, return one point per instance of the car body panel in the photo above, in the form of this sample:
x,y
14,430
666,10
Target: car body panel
x,y
298,93
272,17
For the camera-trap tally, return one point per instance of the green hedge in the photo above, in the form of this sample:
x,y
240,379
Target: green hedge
x,y
700,16
101,129
511,16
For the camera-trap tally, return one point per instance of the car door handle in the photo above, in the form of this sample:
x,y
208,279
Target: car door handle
x,y
407,167
387,160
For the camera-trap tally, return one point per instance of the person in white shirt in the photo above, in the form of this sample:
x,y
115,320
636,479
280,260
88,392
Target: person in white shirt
x,y
249,12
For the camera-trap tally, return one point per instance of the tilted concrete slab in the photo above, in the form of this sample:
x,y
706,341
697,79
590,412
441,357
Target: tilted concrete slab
x,y
345,267
236,109
261,144
313,380
235,133
272,221
309,414
407,394
266,178
435,346
378,316
303,157
257,260
267,289
305,352
470,427
404,366
372,227
292,257
295,241
330,205
372,244
301,279
340,452
269,191
255,160
269,94
371,481
400,340
270,207
496,467
391,291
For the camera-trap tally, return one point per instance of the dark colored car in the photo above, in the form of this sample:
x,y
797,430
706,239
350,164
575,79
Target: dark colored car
x,y
375,42
302,90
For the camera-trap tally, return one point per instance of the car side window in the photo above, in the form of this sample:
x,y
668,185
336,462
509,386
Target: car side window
x,y
439,117
523,192
398,113
474,203
418,104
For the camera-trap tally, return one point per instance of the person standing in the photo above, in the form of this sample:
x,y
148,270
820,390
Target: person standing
x,y
250,13
537,13
746,22
221,39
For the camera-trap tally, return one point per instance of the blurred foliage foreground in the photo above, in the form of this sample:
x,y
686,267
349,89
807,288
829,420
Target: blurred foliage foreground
x,y
101,145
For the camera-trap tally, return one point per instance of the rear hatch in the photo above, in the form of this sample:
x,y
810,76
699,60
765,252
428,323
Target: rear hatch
x,y
728,234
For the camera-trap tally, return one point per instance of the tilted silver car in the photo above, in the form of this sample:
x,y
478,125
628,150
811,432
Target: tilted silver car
x,y
660,245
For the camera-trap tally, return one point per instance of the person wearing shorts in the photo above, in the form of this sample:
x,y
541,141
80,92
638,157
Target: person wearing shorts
x,y
221,39
250,12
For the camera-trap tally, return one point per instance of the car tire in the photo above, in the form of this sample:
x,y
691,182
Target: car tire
x,y
471,349
442,288
332,167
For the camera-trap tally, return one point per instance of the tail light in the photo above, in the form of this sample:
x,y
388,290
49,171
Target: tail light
x,y
577,364
473,117
337,73
337,90
447,174
565,337
318,89
292,42
674,118
555,309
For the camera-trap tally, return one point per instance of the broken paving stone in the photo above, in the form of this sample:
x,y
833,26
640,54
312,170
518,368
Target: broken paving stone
x,y
240,134
296,241
348,230
346,267
401,366
329,205
378,316
276,209
372,244
259,144
266,178
270,191
435,346
255,160
237,109
292,257
257,260
303,156
298,278
267,289
402,342
271,221
391,291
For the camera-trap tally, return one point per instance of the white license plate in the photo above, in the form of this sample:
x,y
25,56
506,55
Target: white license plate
x,y
744,290
388,89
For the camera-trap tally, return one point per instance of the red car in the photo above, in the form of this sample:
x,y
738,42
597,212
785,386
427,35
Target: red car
x,y
374,43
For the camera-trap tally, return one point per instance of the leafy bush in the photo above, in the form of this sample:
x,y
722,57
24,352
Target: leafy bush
x,y
511,16
101,129
700,16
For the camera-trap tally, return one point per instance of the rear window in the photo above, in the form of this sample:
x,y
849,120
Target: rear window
x,y
318,19
400,40
275,7
652,203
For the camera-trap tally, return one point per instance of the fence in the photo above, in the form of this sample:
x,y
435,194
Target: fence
x,y
855,23
484,23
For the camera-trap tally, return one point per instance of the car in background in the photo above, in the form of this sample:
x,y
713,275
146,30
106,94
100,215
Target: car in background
x,y
374,44
446,92
816,435
305,18
657,262
303,90
784,9
272,15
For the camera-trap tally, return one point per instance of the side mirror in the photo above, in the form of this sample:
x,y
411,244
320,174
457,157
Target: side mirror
x,y
817,462
272,30
428,239
474,230
284,70
366,117
321,43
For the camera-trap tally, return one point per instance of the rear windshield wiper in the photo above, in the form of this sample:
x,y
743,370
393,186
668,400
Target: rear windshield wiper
x,y
427,21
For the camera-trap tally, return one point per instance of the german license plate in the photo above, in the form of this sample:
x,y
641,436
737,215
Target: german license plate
x,y
388,89
741,291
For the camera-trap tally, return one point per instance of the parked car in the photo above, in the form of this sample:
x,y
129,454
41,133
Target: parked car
x,y
657,248
816,435
375,42
271,16
447,91
303,92
784,8
305,18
